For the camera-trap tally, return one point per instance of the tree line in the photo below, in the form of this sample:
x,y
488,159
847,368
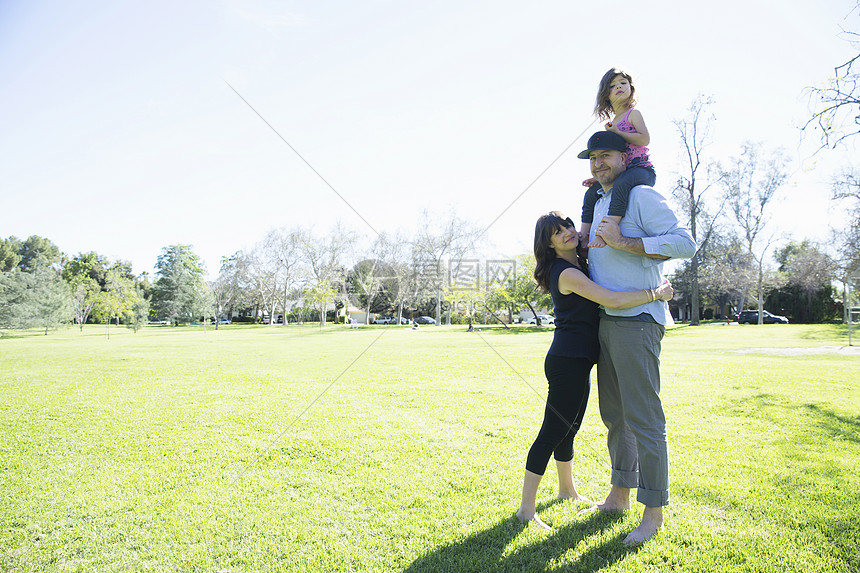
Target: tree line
x,y
297,275
294,275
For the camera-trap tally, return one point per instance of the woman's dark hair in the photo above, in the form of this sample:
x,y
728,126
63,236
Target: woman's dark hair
x,y
546,226
602,107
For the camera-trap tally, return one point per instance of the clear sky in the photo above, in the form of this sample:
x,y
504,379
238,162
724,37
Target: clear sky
x,y
120,135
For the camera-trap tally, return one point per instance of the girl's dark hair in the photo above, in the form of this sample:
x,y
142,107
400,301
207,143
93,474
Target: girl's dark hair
x,y
545,228
602,108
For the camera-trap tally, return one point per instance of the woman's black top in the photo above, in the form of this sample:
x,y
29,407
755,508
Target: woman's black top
x,y
576,320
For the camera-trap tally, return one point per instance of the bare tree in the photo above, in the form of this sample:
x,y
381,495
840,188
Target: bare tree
x,y
262,272
231,288
690,191
406,287
438,247
288,250
370,276
846,196
326,260
836,106
749,185
225,288
85,292
728,273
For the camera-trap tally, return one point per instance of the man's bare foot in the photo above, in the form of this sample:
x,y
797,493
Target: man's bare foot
x,y
652,521
533,519
617,500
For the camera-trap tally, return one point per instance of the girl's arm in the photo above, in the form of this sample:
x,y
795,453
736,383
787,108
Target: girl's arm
x,y
574,280
641,137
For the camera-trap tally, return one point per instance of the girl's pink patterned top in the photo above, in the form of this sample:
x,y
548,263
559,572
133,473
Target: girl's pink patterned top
x,y
637,154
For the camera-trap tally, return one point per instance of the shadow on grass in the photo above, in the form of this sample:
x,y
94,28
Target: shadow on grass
x,y
12,334
825,332
792,480
848,427
485,551
783,412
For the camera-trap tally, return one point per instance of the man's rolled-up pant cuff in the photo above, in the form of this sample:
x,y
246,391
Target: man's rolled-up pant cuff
x,y
652,498
623,478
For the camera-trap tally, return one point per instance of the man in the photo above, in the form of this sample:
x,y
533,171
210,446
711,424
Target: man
x,y
628,370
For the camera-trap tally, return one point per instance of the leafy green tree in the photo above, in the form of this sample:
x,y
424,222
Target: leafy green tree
x,y
10,254
808,295
180,273
107,307
14,299
139,310
51,303
38,250
25,254
120,299
39,298
524,290
318,295
87,266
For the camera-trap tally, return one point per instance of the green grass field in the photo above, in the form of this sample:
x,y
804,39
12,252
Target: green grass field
x,y
387,449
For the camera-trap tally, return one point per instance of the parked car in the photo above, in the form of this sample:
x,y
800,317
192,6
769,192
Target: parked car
x,y
223,321
404,320
385,320
544,319
751,317
425,320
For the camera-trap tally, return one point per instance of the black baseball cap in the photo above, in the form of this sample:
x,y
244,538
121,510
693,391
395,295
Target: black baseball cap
x,y
604,140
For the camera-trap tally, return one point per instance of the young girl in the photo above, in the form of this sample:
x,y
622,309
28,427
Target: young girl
x,y
560,271
615,97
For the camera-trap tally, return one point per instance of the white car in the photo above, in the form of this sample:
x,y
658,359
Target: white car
x,y
544,320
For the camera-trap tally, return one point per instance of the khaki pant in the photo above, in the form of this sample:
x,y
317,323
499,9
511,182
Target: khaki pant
x,y
628,387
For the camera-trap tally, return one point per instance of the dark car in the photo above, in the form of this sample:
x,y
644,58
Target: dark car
x,y
425,320
751,317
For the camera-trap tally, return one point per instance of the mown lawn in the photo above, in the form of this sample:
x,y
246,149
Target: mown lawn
x,y
386,449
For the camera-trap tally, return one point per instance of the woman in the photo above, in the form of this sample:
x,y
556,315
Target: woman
x,y
561,272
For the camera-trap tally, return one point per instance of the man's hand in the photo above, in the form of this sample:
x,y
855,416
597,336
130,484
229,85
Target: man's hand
x,y
610,232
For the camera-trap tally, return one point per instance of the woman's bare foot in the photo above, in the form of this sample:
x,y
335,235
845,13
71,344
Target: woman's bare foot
x,y
533,519
572,497
652,521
